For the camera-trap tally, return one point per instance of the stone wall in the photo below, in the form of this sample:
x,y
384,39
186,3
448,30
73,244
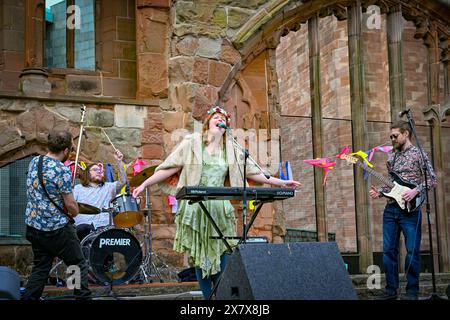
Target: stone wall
x,y
12,22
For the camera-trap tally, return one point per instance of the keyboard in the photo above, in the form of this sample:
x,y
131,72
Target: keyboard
x,y
234,193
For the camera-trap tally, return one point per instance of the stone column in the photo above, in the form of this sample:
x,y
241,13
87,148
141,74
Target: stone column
x,y
152,51
316,119
359,136
33,79
395,57
431,40
446,62
70,39
435,115
274,110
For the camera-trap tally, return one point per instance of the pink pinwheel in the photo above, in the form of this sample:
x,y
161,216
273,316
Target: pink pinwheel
x,y
323,163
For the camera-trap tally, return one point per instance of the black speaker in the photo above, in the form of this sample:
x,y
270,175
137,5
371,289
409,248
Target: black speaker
x,y
9,284
288,271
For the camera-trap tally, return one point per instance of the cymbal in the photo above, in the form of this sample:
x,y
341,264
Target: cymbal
x,y
87,208
142,176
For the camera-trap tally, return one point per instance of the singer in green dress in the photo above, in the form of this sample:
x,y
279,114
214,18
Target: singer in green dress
x,y
206,159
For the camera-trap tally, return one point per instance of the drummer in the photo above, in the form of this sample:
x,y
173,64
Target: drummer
x,y
94,191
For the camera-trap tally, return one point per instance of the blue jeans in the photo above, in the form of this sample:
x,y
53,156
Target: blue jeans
x,y
207,284
396,220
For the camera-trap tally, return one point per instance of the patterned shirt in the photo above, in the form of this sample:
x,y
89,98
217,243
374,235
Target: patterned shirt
x,y
40,213
407,164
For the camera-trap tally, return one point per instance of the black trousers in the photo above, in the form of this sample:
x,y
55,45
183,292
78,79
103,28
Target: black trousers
x,y
62,243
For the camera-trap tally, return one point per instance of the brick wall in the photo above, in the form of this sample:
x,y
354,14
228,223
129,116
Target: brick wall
x,y
293,73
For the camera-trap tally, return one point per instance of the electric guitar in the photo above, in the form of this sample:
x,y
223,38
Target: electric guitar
x,y
398,186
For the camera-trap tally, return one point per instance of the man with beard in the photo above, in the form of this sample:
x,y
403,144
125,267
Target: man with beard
x,y
94,191
406,162
49,215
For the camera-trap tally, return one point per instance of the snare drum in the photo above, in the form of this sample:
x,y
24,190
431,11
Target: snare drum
x,y
126,211
113,255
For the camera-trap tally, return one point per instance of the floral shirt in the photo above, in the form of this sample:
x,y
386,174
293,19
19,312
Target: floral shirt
x,y
40,213
407,164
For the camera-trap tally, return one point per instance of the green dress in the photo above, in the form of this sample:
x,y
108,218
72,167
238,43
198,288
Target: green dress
x,y
193,227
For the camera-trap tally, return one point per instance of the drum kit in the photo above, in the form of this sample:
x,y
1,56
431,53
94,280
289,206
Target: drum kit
x,y
113,253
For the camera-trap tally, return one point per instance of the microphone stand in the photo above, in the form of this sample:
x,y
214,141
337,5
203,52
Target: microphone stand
x,y
434,295
244,190
244,197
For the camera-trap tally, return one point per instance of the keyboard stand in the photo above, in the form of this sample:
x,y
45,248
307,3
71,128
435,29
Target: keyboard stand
x,y
213,223
245,228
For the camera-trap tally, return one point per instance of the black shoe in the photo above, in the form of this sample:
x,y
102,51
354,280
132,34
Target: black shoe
x,y
409,297
387,296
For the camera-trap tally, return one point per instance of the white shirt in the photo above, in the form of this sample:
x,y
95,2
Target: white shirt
x,y
99,197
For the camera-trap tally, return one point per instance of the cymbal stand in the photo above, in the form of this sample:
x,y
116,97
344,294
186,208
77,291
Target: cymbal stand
x,y
148,264
59,280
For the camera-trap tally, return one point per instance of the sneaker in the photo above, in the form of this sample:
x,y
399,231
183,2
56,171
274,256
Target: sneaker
x,y
409,297
387,296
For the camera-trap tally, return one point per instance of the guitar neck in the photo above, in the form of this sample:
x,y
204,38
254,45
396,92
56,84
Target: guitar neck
x,y
376,175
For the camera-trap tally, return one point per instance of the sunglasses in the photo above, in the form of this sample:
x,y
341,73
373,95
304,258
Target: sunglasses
x,y
96,169
394,136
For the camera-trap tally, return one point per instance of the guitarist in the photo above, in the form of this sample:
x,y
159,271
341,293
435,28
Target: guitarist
x,y
405,160
49,226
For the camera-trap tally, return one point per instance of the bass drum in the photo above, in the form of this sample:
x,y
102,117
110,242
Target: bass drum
x,y
113,255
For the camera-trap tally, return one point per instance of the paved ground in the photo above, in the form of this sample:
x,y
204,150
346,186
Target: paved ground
x,y
190,291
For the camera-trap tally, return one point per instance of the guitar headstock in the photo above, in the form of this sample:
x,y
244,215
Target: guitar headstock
x,y
349,159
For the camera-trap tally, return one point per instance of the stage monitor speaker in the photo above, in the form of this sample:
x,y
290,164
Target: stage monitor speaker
x,y
288,271
9,284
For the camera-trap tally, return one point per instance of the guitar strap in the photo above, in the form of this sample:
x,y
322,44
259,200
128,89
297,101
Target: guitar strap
x,y
41,181
395,160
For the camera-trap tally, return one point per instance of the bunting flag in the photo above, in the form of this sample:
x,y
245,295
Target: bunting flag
x,y
109,173
286,172
71,165
124,188
344,151
323,163
137,165
385,149
173,203
370,153
326,164
363,156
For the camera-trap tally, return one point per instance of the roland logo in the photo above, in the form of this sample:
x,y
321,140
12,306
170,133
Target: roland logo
x,y
114,242
196,191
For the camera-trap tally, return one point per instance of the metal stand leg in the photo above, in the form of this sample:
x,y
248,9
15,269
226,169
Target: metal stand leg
x,y
59,282
148,266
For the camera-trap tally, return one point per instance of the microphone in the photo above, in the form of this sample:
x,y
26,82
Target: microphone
x,y
223,125
400,114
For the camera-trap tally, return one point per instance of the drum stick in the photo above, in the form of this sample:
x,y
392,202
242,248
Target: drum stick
x,y
103,130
